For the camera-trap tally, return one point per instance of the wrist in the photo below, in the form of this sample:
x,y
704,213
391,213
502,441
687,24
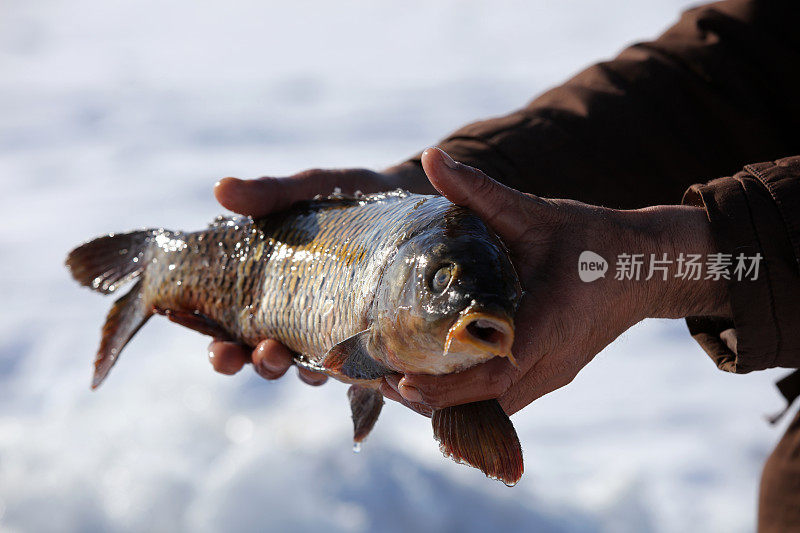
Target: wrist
x,y
670,238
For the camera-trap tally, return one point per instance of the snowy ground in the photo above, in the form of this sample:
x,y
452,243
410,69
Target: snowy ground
x,y
117,114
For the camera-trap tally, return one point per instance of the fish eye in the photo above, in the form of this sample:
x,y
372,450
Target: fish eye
x,y
441,278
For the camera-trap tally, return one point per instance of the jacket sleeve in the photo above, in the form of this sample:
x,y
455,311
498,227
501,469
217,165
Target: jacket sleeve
x,y
755,213
714,92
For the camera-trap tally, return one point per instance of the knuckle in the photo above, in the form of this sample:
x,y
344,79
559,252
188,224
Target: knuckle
x,y
308,173
435,397
484,185
430,396
512,401
269,181
501,381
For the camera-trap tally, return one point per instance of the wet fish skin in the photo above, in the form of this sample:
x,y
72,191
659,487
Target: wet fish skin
x,y
321,276
343,282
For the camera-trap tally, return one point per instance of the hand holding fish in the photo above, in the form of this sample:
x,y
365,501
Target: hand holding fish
x,y
562,322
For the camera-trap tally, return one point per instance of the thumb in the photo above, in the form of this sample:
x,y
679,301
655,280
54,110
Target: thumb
x,y
262,196
499,206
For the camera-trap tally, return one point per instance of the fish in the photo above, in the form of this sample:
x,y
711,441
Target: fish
x,y
356,286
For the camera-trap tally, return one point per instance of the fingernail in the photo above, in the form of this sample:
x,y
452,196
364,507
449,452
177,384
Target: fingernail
x,y
393,380
410,393
264,370
226,180
309,380
448,160
212,358
265,364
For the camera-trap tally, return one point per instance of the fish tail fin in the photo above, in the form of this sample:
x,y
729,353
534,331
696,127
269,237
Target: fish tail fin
x,y
127,315
108,262
105,264
481,435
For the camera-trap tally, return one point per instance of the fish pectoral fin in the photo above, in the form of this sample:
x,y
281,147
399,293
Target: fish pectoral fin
x,y
352,359
481,435
196,321
365,407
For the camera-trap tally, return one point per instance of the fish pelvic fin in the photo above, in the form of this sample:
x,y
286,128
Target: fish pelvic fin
x,y
351,358
127,315
365,407
197,321
108,262
481,435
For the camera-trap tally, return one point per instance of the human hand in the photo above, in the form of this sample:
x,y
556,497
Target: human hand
x,y
259,197
563,322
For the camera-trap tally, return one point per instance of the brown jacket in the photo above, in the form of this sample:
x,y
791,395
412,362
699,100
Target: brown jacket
x,y
714,94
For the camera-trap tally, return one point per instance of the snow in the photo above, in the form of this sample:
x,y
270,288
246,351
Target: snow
x,y
117,115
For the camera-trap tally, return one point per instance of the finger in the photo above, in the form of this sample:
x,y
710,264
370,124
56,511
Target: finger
x,y
310,377
259,197
499,206
489,380
482,382
392,394
227,357
271,359
532,387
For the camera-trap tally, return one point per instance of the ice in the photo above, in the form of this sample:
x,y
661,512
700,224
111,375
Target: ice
x,y
117,115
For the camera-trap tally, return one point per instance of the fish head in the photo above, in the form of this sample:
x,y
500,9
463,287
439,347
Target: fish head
x,y
447,299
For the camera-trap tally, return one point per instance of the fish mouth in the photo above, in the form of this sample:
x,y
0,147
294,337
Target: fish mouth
x,y
487,332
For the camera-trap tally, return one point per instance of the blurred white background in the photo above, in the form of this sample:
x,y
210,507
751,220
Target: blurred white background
x,y
117,114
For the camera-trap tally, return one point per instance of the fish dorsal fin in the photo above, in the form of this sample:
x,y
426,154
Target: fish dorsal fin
x,y
229,220
481,435
365,406
351,358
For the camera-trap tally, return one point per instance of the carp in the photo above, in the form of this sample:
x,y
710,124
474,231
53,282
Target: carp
x,y
358,287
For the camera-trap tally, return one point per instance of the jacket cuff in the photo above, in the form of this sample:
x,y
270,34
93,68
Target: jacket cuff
x,y
755,213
